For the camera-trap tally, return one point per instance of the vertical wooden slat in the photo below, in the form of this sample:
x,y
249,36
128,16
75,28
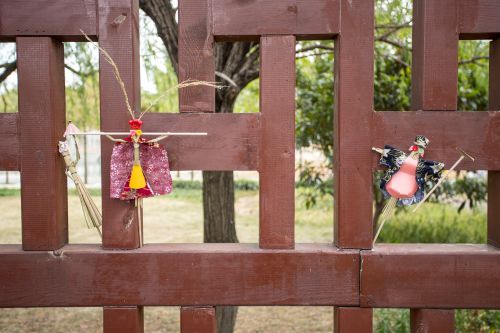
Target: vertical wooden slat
x,y
42,120
120,38
277,154
346,320
494,176
196,55
435,55
198,320
432,321
353,125
128,319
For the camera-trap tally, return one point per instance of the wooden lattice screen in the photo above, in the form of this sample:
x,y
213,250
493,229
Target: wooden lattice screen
x,y
122,277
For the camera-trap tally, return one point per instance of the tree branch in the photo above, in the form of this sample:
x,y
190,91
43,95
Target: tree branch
x,y
9,69
79,73
314,54
394,26
473,60
393,43
315,47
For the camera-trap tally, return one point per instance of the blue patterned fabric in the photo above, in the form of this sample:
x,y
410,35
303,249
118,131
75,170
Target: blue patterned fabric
x,y
393,158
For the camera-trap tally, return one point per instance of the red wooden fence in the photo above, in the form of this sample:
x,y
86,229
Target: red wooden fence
x,y
123,277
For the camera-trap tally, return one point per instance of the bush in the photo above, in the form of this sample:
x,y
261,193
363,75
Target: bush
x,y
436,223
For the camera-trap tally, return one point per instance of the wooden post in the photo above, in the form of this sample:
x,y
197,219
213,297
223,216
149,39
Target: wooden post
x,y
119,36
40,63
196,55
432,321
353,126
435,55
494,176
198,320
346,320
127,319
277,153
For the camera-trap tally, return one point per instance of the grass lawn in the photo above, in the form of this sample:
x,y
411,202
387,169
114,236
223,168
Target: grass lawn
x,y
178,218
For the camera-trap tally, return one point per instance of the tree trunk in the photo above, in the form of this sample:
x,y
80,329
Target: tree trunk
x,y
226,318
218,207
219,227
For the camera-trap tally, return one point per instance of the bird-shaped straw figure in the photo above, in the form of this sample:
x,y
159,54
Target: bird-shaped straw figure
x,y
406,175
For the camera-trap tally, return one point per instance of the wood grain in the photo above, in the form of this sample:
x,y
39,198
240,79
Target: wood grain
x,y
196,55
126,319
232,142
346,320
42,118
179,274
478,133
121,41
277,153
440,276
198,320
479,19
353,125
494,176
61,19
429,321
435,55
9,145
307,19
120,228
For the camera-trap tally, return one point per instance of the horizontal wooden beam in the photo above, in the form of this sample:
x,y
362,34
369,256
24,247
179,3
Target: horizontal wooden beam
x,y
306,19
232,142
60,19
479,19
179,274
9,145
475,132
443,276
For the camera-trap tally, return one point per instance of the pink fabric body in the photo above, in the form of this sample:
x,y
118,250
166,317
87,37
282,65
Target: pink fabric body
x,y
154,163
403,183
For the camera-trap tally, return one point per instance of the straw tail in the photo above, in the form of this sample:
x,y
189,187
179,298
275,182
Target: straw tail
x,y
386,214
91,213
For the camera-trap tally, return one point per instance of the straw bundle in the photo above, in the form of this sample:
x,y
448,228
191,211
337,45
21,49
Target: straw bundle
x,y
92,215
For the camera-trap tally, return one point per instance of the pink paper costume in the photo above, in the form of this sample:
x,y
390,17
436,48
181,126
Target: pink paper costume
x,y
153,160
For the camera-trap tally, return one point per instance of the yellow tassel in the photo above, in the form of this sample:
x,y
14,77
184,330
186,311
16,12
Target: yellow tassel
x,y
137,179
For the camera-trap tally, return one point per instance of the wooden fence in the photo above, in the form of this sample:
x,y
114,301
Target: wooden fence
x,y
123,277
